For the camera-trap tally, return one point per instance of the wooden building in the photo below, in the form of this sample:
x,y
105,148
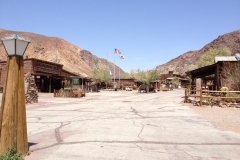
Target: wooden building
x,y
156,85
48,75
124,82
211,75
167,78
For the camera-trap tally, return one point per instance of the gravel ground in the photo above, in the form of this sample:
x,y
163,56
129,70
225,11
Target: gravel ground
x,y
223,118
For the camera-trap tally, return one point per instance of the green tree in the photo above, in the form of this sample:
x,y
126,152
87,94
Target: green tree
x,y
100,75
141,76
231,73
107,78
208,58
175,81
127,75
153,75
96,75
145,77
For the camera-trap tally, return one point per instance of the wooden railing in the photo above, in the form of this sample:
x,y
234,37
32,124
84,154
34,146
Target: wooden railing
x,y
193,93
69,93
208,94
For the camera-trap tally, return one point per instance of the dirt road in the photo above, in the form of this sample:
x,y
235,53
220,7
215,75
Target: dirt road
x,y
124,125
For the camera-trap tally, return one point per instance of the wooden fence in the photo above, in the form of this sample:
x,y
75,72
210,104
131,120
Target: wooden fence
x,y
69,93
208,94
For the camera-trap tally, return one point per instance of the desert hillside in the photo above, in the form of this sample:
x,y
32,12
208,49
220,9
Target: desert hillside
x,y
187,61
58,50
81,61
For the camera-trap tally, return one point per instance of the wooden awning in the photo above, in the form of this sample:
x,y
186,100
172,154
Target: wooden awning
x,y
203,72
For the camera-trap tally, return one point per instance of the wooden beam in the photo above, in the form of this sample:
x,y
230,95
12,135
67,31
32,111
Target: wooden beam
x,y
13,129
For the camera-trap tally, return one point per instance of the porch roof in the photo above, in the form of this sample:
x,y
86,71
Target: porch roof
x,y
203,71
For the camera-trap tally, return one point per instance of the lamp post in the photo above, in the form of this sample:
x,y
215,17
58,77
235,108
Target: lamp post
x,y
13,125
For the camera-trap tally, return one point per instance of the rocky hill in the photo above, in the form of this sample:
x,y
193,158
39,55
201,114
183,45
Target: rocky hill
x,y
57,50
188,60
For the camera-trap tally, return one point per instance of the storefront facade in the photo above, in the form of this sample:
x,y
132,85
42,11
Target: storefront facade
x,y
48,75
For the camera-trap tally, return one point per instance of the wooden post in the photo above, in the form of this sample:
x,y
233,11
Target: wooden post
x,y
50,84
217,77
186,95
13,129
201,97
82,83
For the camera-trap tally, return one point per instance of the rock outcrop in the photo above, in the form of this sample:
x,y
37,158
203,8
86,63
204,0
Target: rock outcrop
x,y
57,50
188,60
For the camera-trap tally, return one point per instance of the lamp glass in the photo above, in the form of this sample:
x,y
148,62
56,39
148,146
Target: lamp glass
x,y
15,45
21,47
9,46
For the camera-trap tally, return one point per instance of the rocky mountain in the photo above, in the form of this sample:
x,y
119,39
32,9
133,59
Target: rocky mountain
x,y
57,50
188,60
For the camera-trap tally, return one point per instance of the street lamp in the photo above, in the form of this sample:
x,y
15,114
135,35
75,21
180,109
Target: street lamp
x,y
13,129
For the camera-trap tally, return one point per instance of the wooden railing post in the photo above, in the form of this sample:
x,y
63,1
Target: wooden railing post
x,y
185,100
201,97
187,90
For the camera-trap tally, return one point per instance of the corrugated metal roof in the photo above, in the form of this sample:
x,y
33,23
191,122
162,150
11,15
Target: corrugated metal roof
x,y
225,58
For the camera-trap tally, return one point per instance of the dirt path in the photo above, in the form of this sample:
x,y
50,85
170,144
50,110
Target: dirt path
x,y
223,118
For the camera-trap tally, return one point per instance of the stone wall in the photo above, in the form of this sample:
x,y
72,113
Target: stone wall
x,y
2,74
31,91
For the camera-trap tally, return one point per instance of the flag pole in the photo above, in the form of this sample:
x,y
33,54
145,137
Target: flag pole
x,y
106,71
114,73
120,57
119,74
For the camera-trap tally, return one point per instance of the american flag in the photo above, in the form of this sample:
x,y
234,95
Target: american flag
x,y
121,57
117,51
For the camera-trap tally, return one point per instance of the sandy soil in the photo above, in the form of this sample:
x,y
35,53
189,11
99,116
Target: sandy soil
x,y
223,118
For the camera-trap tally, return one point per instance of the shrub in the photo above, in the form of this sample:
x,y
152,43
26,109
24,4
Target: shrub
x,y
233,100
224,89
208,58
11,155
231,73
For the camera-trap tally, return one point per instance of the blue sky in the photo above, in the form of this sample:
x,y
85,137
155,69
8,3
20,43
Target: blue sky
x,y
147,32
